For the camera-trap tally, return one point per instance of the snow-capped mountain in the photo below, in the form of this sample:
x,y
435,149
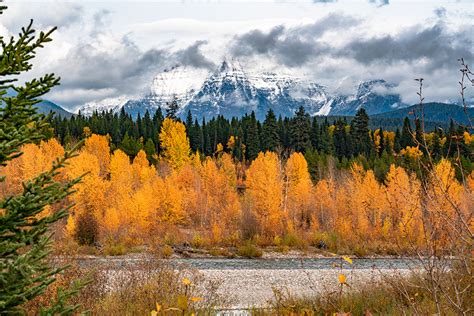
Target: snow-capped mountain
x,y
374,96
230,91
109,104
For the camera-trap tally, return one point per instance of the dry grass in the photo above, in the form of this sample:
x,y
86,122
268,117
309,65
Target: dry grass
x,y
136,289
389,296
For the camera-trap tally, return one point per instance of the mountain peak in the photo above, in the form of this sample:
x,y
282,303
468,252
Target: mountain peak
x,y
230,91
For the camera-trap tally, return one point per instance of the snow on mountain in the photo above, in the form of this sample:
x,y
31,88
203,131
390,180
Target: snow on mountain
x,y
114,104
178,82
230,91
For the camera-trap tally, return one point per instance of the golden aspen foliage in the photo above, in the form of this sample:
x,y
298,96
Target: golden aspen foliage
x,y
468,138
412,152
187,180
264,191
221,201
98,146
219,149
324,204
227,165
35,160
70,228
86,131
143,172
231,142
196,160
175,143
403,211
169,201
298,191
445,203
366,203
90,195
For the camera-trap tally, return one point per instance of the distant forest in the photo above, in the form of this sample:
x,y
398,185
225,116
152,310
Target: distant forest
x,y
346,139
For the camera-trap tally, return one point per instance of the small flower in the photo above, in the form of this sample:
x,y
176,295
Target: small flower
x,y
342,278
186,281
196,299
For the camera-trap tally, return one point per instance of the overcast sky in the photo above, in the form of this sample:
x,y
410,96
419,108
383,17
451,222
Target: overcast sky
x,y
113,48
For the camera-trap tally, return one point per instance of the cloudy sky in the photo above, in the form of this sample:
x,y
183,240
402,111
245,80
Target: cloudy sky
x,y
108,49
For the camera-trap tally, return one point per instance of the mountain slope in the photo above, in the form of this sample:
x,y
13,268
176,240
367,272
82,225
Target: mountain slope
x,y
47,106
433,112
44,106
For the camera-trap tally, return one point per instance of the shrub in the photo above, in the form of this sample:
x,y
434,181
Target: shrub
x,y
249,251
166,251
87,229
115,250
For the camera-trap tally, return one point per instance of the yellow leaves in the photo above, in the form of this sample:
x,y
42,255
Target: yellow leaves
x,y
341,278
98,146
231,142
156,310
196,299
412,152
264,189
298,188
86,131
70,226
220,148
186,281
141,168
468,138
347,259
175,143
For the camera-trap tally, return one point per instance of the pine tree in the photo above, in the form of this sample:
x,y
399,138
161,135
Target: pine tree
x,y
436,150
253,141
270,137
341,140
300,131
396,141
315,134
150,150
419,134
382,146
24,235
406,138
361,141
172,111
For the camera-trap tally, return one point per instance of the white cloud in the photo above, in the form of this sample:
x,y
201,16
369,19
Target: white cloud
x,y
105,49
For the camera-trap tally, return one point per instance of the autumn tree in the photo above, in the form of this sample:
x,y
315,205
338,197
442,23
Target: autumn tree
x,y
403,217
175,143
264,192
298,191
223,205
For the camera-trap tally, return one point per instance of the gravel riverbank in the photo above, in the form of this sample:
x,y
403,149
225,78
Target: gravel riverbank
x,y
250,282
254,288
